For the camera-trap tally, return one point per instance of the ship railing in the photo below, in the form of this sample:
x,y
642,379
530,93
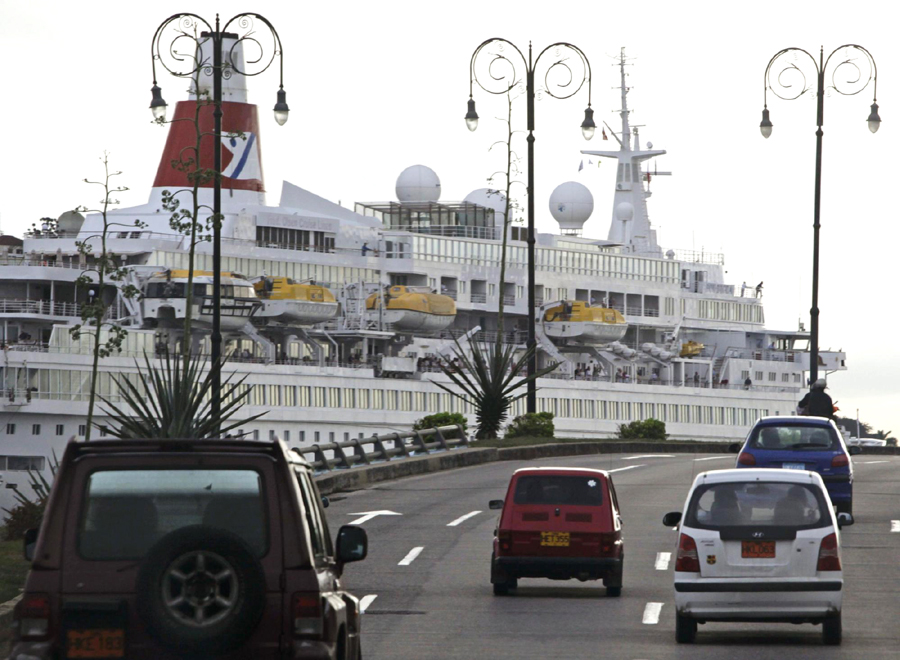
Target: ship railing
x,y
700,257
763,354
41,261
382,448
42,307
478,297
509,300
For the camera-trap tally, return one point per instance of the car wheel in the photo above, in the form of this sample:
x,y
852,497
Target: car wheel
x,y
613,592
832,631
203,591
501,589
685,629
845,507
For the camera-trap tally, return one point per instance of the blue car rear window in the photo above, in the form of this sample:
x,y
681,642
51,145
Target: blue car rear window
x,y
794,437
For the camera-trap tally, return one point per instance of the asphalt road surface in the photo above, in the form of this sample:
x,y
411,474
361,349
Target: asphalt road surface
x,y
426,590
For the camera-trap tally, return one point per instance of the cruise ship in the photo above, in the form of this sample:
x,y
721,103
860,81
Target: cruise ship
x,y
336,316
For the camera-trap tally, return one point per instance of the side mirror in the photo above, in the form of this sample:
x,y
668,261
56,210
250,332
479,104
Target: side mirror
x,y
325,502
844,520
854,450
30,543
352,544
734,448
495,505
672,518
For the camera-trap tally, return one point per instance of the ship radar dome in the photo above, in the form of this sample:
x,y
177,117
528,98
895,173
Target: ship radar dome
x,y
489,198
571,204
70,222
418,184
624,211
670,254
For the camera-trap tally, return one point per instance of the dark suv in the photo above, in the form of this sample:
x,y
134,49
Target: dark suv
x,y
186,549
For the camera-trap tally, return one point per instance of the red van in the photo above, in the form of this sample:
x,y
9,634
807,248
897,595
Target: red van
x,y
558,523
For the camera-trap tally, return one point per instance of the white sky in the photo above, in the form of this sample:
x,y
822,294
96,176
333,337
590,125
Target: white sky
x,y
375,87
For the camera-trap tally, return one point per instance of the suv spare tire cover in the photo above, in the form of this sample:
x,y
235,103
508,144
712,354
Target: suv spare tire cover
x,y
168,625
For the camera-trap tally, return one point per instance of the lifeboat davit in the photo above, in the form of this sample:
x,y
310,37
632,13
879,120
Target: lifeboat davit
x,y
165,299
578,322
414,309
288,301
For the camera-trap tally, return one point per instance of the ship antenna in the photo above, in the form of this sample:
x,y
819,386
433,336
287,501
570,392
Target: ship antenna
x,y
624,112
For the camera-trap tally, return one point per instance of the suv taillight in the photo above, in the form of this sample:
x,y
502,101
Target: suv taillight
x,y
687,560
840,460
32,614
504,537
746,459
307,611
829,558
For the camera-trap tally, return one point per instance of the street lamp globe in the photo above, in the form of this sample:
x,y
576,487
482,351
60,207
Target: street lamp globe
x,y
158,103
281,108
588,127
765,126
874,120
471,115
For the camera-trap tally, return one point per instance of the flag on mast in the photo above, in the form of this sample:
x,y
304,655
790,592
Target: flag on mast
x,y
603,131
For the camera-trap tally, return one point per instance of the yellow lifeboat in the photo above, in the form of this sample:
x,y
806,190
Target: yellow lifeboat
x,y
164,299
577,321
691,349
288,301
414,308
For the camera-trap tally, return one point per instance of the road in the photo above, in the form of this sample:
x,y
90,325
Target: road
x,y
427,592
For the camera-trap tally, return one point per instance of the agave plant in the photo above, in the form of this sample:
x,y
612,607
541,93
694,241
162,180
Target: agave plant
x,y
488,382
173,400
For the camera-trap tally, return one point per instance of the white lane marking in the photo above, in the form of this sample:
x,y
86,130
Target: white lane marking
x,y
463,518
365,601
630,467
411,557
715,458
895,525
651,613
871,462
662,560
632,458
368,515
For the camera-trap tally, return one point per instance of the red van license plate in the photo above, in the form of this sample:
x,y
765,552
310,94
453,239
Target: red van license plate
x,y
555,539
96,643
758,549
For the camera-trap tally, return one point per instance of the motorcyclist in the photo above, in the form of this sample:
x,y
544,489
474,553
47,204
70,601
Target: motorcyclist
x,y
817,403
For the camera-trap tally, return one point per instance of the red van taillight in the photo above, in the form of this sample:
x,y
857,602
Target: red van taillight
x,y
308,618
829,558
32,614
746,459
504,537
687,561
840,460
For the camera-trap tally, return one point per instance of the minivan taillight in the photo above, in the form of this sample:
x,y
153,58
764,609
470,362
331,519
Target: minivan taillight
x,y
829,558
504,537
307,613
687,560
610,544
746,459
840,460
32,614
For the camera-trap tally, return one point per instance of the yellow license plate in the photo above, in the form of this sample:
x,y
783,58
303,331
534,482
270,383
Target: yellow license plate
x,y
555,539
95,643
758,549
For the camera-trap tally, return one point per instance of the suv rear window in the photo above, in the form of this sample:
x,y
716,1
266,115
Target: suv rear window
x,y
794,436
127,511
757,504
556,490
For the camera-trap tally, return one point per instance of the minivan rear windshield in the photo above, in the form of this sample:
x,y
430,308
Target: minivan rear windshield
x,y
757,504
127,511
794,437
558,490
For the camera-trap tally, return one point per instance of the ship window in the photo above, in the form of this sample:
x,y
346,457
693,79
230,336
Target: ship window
x,y
10,429
60,429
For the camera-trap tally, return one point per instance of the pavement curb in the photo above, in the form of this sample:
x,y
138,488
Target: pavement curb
x,y
6,615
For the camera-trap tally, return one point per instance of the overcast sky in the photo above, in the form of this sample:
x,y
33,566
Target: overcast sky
x,y
375,87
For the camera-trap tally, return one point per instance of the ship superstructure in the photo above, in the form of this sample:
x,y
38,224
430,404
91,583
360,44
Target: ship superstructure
x,y
336,317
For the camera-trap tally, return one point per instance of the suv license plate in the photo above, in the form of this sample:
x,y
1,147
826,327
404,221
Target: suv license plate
x,y
758,549
556,539
794,466
95,643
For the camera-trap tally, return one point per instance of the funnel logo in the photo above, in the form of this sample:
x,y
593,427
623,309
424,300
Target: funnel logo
x,y
244,157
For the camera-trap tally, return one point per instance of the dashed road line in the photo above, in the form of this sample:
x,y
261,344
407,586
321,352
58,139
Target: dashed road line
x,y
629,467
714,458
872,462
633,458
651,613
411,557
662,560
365,601
895,525
462,519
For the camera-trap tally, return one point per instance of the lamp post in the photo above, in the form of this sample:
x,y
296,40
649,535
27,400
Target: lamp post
x,y
857,79
502,73
183,28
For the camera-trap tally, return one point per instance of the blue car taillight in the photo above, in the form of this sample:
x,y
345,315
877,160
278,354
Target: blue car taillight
x,y
840,460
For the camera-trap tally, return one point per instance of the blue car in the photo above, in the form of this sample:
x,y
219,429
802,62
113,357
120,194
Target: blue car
x,y
802,443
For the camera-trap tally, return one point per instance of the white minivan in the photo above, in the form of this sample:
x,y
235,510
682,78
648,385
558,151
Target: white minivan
x,y
758,545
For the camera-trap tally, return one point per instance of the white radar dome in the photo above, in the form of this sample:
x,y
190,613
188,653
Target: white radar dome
x,y
571,204
418,184
489,198
624,211
70,222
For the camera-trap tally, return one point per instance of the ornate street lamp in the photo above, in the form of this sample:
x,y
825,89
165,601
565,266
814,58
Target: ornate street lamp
x,y
856,70
178,46
560,82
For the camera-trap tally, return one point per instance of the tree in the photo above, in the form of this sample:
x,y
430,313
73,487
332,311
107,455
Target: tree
x,y
93,280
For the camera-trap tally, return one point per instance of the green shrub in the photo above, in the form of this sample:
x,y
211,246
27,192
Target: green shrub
x,y
21,518
441,419
532,425
649,429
